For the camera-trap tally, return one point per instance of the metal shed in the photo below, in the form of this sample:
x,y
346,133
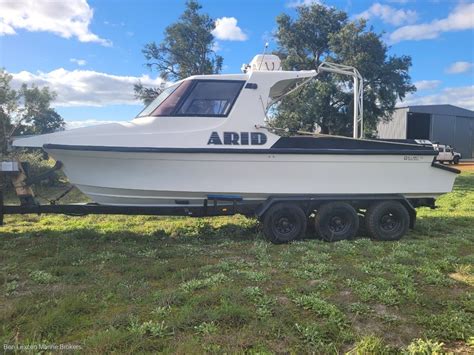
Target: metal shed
x,y
445,124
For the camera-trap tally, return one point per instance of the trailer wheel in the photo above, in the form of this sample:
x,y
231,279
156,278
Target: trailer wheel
x,y
387,220
336,221
284,222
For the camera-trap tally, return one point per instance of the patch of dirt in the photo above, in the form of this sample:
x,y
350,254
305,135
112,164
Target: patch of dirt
x,y
283,300
458,347
466,166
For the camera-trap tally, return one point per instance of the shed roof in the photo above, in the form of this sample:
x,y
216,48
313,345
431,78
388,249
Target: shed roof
x,y
449,110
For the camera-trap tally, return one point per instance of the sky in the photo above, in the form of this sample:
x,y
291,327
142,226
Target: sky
x,y
89,51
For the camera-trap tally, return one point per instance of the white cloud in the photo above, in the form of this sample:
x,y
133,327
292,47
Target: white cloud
x,y
427,84
227,30
389,14
80,62
67,19
461,18
458,67
86,87
458,96
216,46
296,3
86,123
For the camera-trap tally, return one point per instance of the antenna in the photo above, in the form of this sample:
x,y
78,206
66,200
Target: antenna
x,y
263,56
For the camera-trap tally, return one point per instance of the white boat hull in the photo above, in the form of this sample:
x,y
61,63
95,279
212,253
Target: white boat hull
x,y
161,178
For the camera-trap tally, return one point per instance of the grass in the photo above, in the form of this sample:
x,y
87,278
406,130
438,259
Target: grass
x,y
148,284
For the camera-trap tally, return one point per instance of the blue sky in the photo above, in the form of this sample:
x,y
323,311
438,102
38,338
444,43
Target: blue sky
x,y
89,52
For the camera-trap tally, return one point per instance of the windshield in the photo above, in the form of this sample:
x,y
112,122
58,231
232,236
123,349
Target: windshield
x,y
158,100
208,98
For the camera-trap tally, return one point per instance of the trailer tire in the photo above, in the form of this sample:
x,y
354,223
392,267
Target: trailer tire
x,y
284,222
337,221
387,220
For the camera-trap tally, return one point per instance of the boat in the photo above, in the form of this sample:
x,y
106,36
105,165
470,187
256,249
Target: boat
x,y
209,136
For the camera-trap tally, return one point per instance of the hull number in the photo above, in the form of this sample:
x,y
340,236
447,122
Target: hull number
x,y
412,157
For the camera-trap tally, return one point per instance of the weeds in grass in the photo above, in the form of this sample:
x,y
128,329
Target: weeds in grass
x,y
376,289
147,253
311,271
11,287
260,250
424,347
161,311
334,324
451,324
150,328
311,335
197,284
262,302
256,276
206,328
42,277
360,308
432,276
464,273
321,307
470,342
370,345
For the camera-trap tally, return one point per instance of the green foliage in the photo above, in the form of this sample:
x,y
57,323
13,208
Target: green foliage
x,y
38,164
36,114
187,49
8,104
322,308
197,284
206,328
11,287
320,33
451,324
161,311
370,345
425,347
262,302
376,289
41,277
151,328
25,111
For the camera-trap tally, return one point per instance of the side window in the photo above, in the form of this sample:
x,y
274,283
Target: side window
x,y
210,98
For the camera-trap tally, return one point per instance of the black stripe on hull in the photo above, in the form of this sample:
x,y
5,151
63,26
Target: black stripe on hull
x,y
272,150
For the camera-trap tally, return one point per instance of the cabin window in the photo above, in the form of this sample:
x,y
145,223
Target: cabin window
x,y
210,98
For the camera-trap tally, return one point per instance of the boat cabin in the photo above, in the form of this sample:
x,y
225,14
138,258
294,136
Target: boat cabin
x,y
261,85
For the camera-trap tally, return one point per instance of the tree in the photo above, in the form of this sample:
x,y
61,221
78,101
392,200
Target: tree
x,y
186,50
36,115
321,34
7,106
26,111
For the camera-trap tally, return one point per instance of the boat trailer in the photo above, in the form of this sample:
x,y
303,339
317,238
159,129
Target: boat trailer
x,y
276,213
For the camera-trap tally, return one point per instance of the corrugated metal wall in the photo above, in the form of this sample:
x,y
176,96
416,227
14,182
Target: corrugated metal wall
x,y
442,128
396,128
463,136
447,127
453,130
